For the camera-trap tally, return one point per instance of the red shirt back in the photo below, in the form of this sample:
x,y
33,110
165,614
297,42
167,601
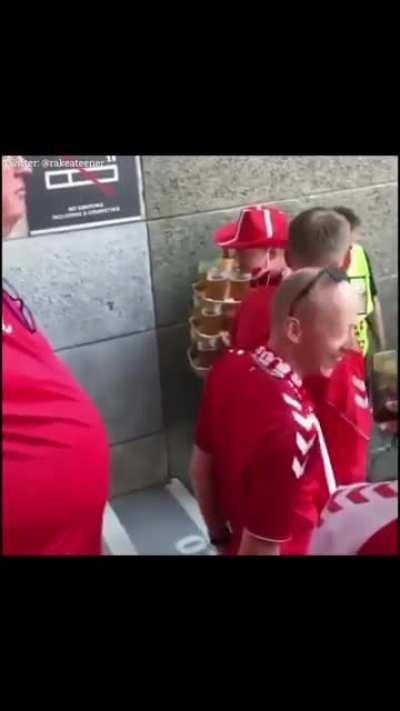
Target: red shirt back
x,y
252,324
55,451
257,423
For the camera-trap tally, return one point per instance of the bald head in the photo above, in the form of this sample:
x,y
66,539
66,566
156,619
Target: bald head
x,y
313,317
287,292
322,295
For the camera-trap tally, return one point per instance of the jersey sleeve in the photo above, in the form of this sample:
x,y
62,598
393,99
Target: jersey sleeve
x,y
271,485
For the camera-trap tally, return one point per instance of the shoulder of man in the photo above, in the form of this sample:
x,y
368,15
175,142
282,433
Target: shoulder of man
x,y
252,327
263,293
350,372
286,397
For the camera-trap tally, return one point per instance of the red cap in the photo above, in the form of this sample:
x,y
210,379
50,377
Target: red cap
x,y
258,226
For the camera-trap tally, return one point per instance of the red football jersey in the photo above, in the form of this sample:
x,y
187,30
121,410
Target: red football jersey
x,y
344,412
359,520
55,451
252,324
340,402
258,424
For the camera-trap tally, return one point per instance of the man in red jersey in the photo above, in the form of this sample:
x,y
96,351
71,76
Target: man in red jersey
x,y
55,451
339,395
258,443
259,239
320,237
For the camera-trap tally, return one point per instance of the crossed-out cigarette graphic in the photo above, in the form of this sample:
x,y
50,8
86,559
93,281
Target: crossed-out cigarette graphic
x,y
73,177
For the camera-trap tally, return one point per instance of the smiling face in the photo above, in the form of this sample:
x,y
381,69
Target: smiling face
x,y
327,328
14,172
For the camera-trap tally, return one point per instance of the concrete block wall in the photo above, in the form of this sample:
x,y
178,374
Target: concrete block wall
x,y
114,300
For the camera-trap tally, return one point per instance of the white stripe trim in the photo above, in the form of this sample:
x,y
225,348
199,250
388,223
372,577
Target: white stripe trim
x,y
292,402
329,475
268,223
235,236
268,540
361,401
304,446
359,384
306,422
297,468
115,535
179,492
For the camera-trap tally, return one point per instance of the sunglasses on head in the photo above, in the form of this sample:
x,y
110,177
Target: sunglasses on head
x,y
334,273
20,310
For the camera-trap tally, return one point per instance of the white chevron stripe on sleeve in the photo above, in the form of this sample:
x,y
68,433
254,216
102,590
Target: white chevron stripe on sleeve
x,y
292,402
359,384
306,422
361,401
304,446
297,468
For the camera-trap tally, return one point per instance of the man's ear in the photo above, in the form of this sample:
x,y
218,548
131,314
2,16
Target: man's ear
x,y
346,261
293,329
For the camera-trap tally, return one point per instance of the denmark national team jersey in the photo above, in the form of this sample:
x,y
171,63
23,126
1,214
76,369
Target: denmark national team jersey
x,y
259,427
251,326
359,520
340,401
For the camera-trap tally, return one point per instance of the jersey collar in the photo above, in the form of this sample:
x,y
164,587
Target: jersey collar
x,y
268,361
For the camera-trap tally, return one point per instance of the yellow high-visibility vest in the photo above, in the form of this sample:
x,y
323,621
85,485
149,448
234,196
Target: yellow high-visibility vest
x,y
359,275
